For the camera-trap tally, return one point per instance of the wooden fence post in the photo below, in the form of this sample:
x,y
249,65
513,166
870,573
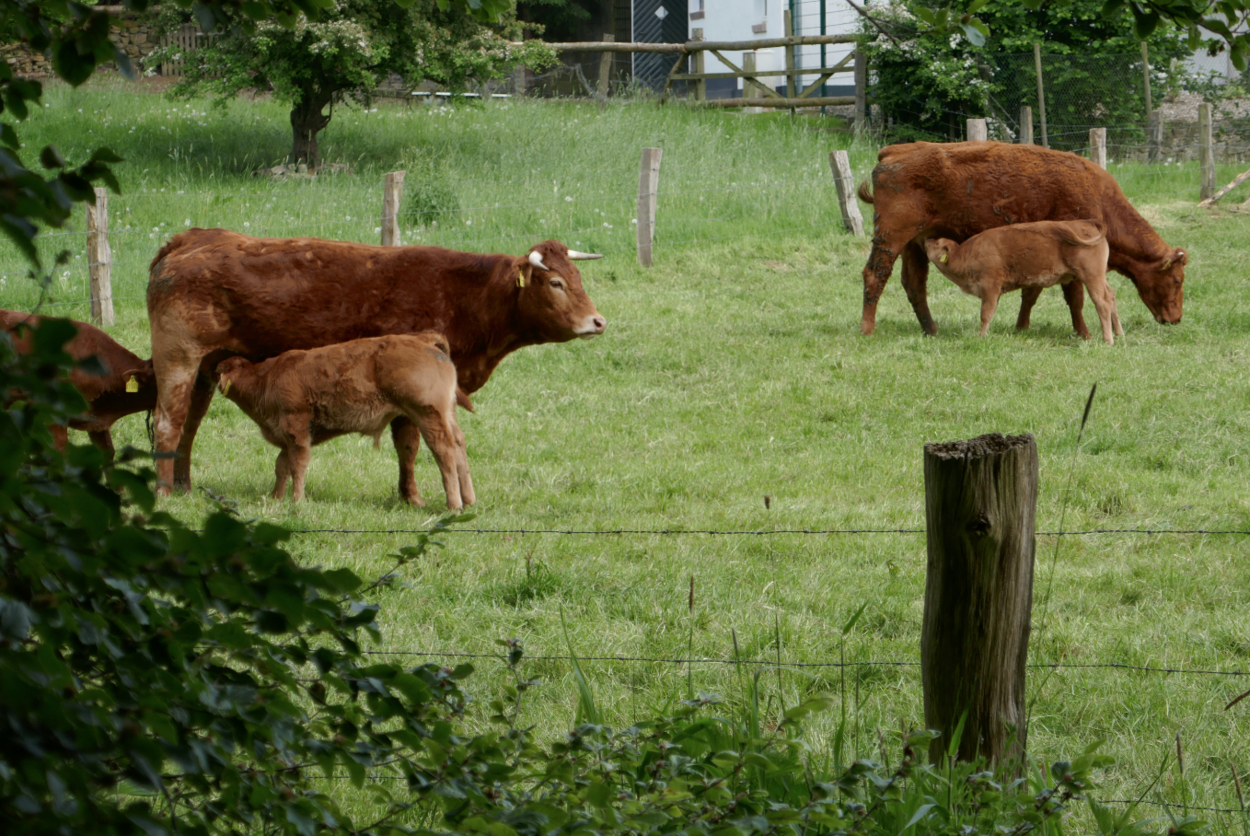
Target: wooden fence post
x,y
980,508
1206,155
100,260
392,191
605,69
787,31
648,184
1145,71
1154,137
1026,125
977,131
1098,146
748,87
843,181
700,85
1041,93
861,89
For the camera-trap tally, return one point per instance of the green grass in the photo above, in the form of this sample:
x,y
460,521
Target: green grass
x,y
731,370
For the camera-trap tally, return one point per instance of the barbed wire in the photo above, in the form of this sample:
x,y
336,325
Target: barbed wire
x,y
760,532
771,663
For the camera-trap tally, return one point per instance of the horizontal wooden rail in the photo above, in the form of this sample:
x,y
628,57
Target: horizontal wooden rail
x,y
700,46
761,73
782,102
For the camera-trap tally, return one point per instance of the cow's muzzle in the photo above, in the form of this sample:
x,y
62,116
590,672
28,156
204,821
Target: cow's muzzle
x,y
592,327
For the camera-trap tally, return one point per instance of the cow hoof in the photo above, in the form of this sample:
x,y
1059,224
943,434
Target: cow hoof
x,y
415,501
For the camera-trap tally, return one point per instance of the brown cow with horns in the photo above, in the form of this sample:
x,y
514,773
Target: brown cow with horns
x,y
923,190
213,293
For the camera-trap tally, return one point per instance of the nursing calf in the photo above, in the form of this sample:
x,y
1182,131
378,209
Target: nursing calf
x,y
126,386
1031,257
302,398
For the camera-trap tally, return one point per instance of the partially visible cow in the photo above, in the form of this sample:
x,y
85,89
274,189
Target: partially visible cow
x,y
301,398
921,190
213,293
127,386
1036,255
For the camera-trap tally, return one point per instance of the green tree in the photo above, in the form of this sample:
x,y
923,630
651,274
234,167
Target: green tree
x,y
345,53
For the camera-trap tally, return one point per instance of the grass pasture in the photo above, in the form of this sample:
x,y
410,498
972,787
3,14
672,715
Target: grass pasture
x,y
730,371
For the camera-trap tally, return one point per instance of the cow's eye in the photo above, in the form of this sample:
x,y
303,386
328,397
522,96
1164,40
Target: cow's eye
x,y
556,283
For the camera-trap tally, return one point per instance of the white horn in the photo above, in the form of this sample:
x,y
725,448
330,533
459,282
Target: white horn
x,y
537,261
574,255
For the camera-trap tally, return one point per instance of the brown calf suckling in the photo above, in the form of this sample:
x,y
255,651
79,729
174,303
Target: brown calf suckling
x,y
126,387
1031,257
301,398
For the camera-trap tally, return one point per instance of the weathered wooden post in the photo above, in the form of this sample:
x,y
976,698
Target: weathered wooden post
x,y
1154,134
100,260
861,88
787,31
1026,125
843,181
1098,146
977,131
392,192
1145,71
1206,152
980,507
700,84
748,86
1041,93
648,184
605,69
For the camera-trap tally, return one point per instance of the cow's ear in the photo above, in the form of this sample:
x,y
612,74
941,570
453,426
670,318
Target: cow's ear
x,y
1180,257
524,270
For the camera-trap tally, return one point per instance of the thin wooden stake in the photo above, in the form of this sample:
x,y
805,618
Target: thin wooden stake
x,y
700,85
843,181
977,130
100,260
980,510
392,192
648,185
1026,125
1098,146
1206,155
789,50
1154,137
1145,71
1041,93
605,69
861,90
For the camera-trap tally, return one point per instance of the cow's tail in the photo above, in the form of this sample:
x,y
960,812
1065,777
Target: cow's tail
x,y
865,192
1070,235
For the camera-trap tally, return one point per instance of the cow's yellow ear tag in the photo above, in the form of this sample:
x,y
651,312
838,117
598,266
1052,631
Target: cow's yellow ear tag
x,y
520,278
944,257
225,386
132,384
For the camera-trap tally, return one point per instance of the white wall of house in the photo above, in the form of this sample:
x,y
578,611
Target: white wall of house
x,y
736,20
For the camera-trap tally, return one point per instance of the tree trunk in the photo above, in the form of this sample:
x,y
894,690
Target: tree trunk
x,y
307,120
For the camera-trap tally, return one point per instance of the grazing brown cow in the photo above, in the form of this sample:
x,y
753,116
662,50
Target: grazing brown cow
x,y
921,190
213,293
127,386
302,398
1035,255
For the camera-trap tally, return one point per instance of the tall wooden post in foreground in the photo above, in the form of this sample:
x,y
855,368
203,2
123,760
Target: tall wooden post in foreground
x,y
980,508
100,260
978,131
392,194
1098,146
648,185
1026,125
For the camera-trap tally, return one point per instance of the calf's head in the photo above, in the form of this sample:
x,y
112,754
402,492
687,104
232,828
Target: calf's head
x,y
552,300
939,250
228,373
1161,286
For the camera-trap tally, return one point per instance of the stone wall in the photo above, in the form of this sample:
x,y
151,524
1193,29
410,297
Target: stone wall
x,y
134,35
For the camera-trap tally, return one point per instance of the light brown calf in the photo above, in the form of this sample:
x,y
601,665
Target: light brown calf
x,y
302,398
1032,255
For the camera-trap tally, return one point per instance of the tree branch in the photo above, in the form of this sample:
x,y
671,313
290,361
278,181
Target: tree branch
x,y
864,14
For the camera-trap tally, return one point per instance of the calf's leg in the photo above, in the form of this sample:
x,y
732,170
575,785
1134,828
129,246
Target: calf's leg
x,y
1097,287
441,437
1028,298
989,304
1115,312
915,281
282,473
298,455
407,438
1074,295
